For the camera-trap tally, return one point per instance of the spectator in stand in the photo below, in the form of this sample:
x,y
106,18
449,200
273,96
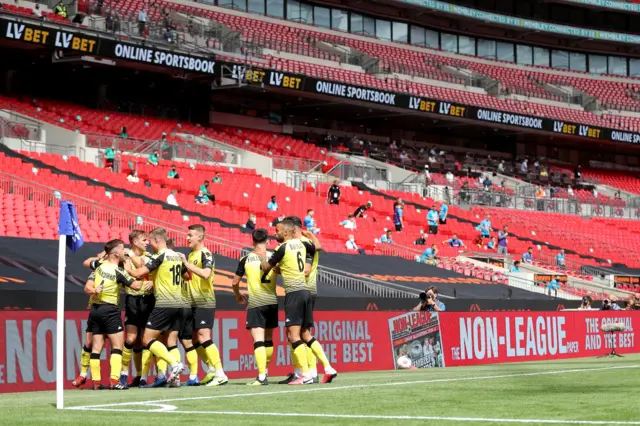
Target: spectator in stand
x,y
143,19
171,198
429,256
617,195
251,222
386,237
123,133
444,212
577,173
352,246
527,257
360,211
502,240
278,219
310,222
217,178
485,227
420,241
553,286
450,178
524,167
173,173
464,194
491,245
432,220
154,159
61,10
334,193
432,159
515,267
205,187
586,302
133,177
454,242
273,205
560,262
540,198
397,214
595,192
349,223
427,175
570,191
544,173
501,166
109,157
202,198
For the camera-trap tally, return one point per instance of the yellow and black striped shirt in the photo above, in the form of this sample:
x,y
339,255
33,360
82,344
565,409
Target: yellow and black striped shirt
x,y
142,291
111,277
313,258
261,286
166,271
291,256
199,290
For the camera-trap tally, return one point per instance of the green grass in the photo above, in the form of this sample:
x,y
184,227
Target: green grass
x,y
606,391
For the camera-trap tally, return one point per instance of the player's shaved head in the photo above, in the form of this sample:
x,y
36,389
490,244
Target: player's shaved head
x,y
112,245
288,225
160,234
260,236
197,227
295,219
171,244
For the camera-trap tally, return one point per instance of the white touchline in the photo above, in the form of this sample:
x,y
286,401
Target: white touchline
x,y
335,388
382,417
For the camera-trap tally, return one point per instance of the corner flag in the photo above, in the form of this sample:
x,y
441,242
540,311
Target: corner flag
x,y
67,227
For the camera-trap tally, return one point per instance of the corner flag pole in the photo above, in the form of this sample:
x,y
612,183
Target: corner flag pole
x,y
67,227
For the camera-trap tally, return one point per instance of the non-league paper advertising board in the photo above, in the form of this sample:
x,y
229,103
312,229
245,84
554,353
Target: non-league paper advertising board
x,y
417,336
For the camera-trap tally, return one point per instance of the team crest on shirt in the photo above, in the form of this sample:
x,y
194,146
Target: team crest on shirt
x,y
195,262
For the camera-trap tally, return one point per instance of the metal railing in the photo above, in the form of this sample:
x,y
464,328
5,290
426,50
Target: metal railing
x,y
357,172
356,283
295,163
19,130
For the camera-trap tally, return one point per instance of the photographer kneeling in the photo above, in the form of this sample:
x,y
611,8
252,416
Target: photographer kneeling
x,y
429,301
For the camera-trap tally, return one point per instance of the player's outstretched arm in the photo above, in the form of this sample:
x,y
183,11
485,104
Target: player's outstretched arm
x,y
90,262
136,273
314,240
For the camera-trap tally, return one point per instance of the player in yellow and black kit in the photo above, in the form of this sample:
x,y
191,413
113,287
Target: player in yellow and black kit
x,y
262,306
199,288
167,314
105,311
85,358
314,349
138,306
290,258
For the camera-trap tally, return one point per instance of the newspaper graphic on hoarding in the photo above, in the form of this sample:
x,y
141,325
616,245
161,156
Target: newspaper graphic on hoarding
x,y
417,336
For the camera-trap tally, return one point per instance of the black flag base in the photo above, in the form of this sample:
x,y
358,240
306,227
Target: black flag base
x,y
613,352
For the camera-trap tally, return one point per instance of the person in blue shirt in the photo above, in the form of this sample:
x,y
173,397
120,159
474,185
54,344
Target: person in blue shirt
x,y
492,243
109,157
515,267
310,222
173,173
485,227
386,238
560,259
429,301
553,285
432,220
153,159
273,205
444,211
527,257
429,256
454,241
397,214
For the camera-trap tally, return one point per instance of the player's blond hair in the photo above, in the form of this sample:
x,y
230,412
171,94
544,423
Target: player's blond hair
x,y
160,234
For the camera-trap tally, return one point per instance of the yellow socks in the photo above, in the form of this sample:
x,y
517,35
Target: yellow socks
x,y
85,358
296,364
175,353
146,363
300,352
127,352
94,362
213,355
268,346
202,353
260,352
319,352
161,353
192,361
116,364
312,360
137,360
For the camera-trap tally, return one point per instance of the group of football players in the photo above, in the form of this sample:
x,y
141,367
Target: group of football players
x,y
170,297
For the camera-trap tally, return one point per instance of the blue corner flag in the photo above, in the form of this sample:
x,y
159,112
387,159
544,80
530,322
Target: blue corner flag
x,y
69,225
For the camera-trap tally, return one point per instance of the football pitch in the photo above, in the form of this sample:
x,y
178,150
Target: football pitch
x,y
587,392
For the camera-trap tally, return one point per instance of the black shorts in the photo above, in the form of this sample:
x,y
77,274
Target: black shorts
x,y
137,309
313,301
433,229
88,329
398,227
262,317
165,319
105,319
186,327
203,318
298,309
443,221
